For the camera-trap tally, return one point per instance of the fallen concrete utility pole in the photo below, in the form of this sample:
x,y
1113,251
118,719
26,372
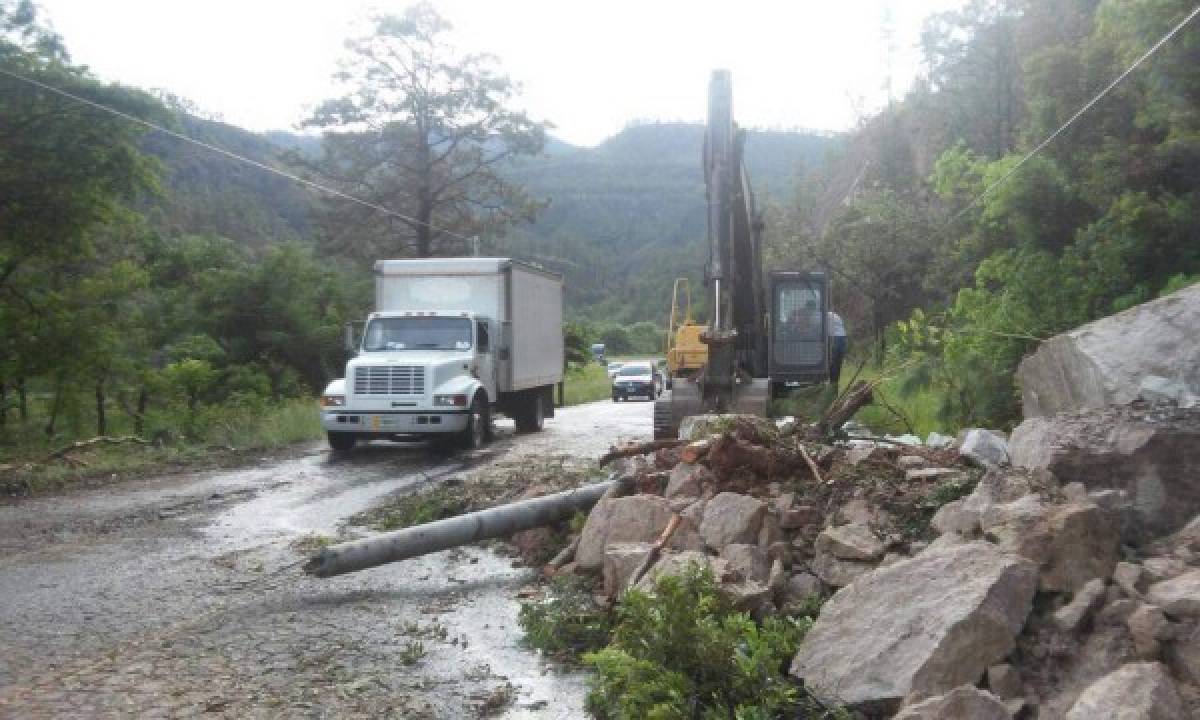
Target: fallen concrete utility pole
x,y
444,534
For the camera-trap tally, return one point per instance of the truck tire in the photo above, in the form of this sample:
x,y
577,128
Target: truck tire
x,y
479,424
341,442
532,416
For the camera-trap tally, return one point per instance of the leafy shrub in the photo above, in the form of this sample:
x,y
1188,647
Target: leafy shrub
x,y
568,622
684,653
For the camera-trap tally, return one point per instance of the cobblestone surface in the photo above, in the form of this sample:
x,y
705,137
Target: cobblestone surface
x,y
181,595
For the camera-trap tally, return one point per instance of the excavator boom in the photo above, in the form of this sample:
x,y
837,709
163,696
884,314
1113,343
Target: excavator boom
x,y
757,344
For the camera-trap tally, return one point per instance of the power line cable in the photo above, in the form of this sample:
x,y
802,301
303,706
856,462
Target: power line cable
x,y
1153,49
229,154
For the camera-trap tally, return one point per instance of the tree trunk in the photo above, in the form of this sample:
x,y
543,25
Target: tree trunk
x,y
55,407
22,400
139,419
101,419
424,193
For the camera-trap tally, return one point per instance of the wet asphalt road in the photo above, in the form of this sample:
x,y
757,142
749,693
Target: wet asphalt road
x,y
180,595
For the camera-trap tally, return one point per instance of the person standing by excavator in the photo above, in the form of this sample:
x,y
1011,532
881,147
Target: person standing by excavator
x,y
837,353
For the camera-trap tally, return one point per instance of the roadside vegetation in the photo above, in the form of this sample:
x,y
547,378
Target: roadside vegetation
x,y
680,651
949,278
587,383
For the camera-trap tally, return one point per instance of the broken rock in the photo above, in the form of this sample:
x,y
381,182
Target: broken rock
x,y
731,518
748,561
920,627
1088,600
1004,681
1178,597
636,518
1072,543
984,448
1137,691
854,541
675,563
1148,627
965,702
620,562
1152,455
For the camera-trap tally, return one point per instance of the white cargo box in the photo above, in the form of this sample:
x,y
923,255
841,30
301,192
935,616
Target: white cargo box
x,y
526,301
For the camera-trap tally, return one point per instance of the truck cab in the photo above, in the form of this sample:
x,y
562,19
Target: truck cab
x,y
442,371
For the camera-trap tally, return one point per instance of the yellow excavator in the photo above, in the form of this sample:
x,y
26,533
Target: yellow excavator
x,y
686,352
766,334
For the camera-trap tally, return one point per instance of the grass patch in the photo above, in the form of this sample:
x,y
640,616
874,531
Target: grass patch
x,y
896,412
419,508
585,384
227,433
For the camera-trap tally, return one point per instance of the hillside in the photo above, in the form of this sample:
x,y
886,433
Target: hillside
x,y
623,219
207,193
628,216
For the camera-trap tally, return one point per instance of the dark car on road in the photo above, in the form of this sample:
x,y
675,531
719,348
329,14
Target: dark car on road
x,y
637,379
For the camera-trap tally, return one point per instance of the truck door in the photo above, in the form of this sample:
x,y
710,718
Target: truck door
x,y
485,363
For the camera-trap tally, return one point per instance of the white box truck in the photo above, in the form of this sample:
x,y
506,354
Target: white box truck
x,y
451,340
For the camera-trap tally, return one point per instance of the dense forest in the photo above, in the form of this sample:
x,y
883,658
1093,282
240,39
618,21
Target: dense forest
x,y
151,285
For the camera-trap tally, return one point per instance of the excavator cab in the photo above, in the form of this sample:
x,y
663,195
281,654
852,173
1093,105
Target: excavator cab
x,y
798,347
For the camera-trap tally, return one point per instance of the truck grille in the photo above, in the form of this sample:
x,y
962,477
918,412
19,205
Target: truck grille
x,y
389,380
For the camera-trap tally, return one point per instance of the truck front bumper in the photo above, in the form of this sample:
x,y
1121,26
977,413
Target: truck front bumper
x,y
393,423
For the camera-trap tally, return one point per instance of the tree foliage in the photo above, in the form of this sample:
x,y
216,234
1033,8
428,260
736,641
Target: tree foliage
x,y
425,131
1107,216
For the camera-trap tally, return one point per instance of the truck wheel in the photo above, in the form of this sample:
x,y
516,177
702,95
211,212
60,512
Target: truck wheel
x,y
341,442
532,416
479,421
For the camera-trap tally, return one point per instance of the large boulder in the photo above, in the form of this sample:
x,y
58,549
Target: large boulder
x,y
1150,455
731,518
1072,543
920,627
965,702
1180,596
1152,349
1137,691
636,518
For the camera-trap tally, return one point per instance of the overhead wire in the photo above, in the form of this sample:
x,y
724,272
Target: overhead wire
x,y
1088,106
231,155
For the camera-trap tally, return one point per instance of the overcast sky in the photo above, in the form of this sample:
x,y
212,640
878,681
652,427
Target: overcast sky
x,y
588,67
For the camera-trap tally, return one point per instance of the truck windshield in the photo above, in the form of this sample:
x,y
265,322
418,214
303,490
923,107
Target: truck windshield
x,y
418,333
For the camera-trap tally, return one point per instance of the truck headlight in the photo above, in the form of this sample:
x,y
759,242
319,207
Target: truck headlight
x,y
333,400
450,400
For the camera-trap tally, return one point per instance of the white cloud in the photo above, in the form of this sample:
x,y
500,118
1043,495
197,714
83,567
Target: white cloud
x,y
589,67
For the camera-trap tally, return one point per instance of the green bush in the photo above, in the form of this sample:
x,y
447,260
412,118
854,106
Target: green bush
x,y
683,652
567,622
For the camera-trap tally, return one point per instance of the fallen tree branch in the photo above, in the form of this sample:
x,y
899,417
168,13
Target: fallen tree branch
x,y
563,557
655,550
812,466
844,408
638,449
61,453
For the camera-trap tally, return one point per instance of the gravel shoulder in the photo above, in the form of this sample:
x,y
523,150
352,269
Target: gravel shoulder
x,y
180,595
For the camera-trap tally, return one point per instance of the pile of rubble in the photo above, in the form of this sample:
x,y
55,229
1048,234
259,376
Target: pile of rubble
x,y
1055,574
